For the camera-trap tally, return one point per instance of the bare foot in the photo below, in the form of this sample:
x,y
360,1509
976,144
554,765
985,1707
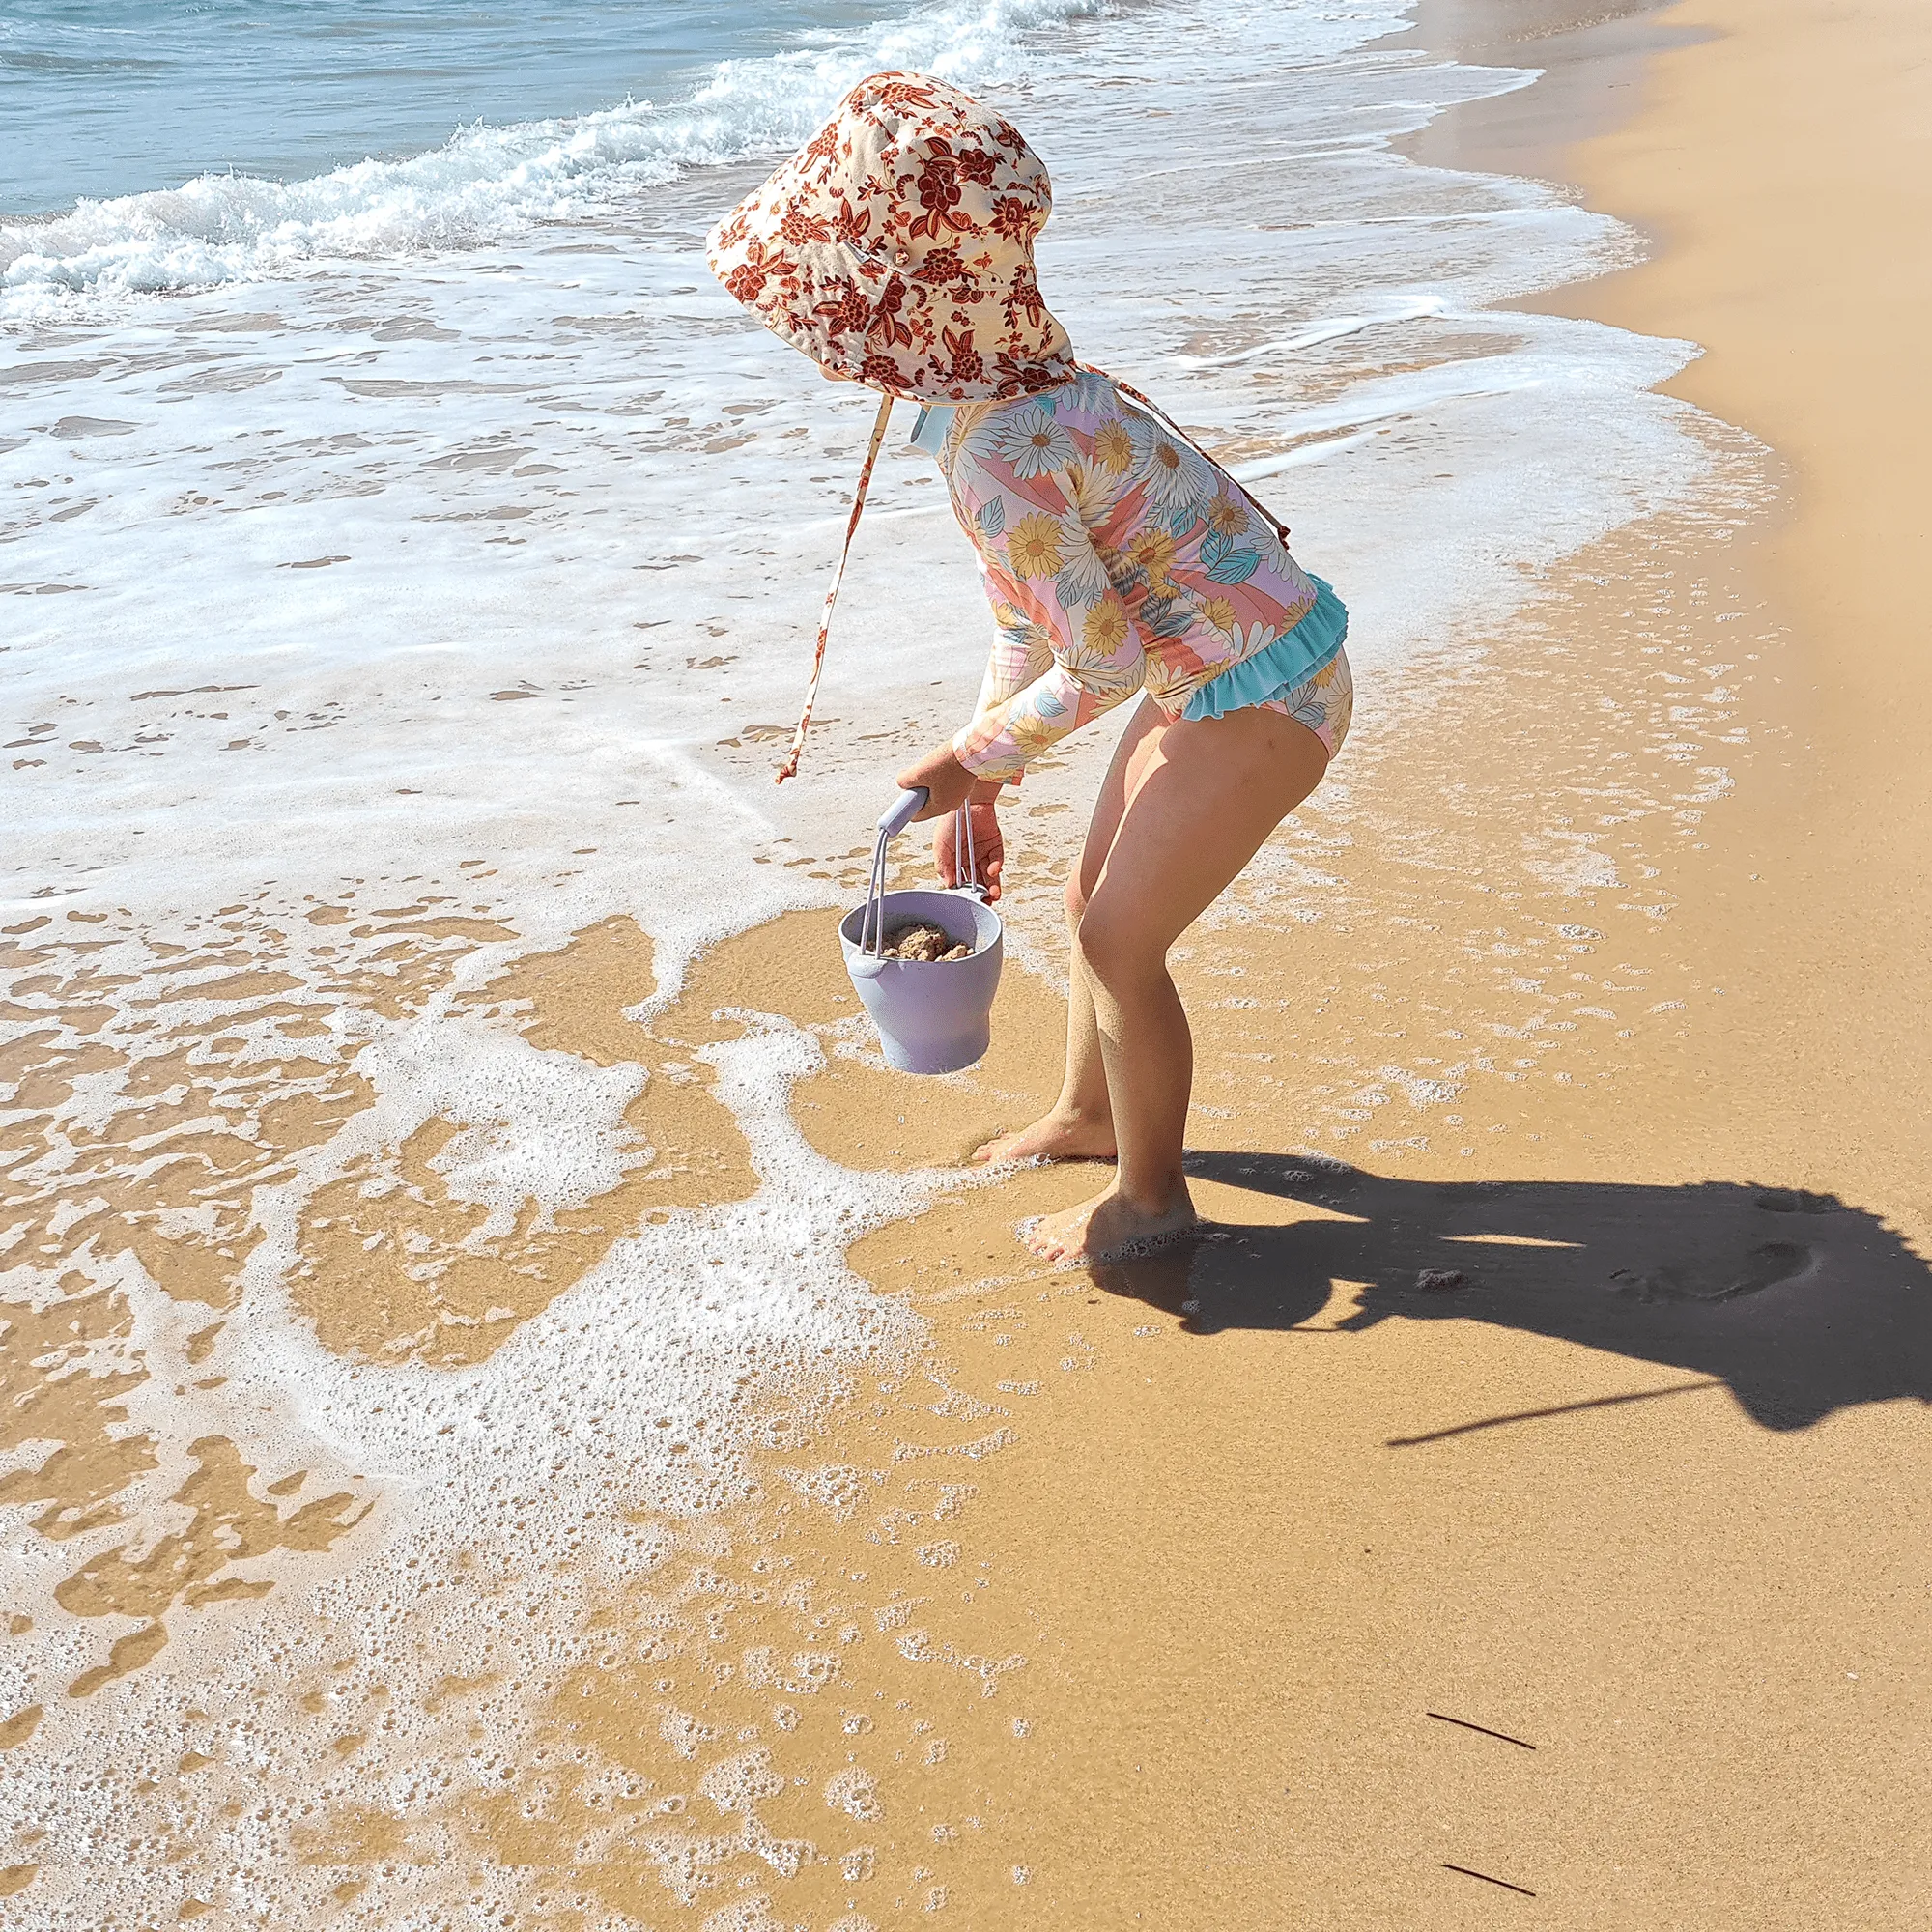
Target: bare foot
x,y
1104,1226
1052,1137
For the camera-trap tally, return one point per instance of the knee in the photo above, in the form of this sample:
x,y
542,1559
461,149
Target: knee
x,y
1075,898
1113,946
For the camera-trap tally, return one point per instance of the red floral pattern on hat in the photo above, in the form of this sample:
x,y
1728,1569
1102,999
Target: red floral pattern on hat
x,y
896,247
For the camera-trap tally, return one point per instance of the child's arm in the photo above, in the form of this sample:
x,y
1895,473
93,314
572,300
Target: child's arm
x,y
1020,655
1058,619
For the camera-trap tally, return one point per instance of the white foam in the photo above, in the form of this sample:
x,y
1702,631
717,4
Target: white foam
x,y
1331,331
509,1471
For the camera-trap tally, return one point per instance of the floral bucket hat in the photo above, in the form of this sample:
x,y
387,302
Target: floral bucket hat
x,y
896,247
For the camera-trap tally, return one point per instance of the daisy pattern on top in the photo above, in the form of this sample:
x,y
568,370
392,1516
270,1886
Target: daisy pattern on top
x,y
1174,475
1119,560
1106,628
1034,545
1085,402
1031,442
1248,639
1083,577
1114,447
1228,518
1327,702
1151,552
1089,491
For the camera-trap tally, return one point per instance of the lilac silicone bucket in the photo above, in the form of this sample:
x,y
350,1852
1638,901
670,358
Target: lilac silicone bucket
x,y
933,1018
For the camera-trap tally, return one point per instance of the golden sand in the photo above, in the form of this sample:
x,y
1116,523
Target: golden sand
x,y
1515,1493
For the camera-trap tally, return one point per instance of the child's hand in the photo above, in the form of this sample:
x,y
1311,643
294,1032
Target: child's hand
x,y
945,779
989,848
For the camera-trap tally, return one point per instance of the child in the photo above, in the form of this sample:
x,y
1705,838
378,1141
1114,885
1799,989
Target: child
x,y
896,250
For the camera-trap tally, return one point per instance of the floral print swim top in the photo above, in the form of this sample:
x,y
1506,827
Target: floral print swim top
x,y
1116,557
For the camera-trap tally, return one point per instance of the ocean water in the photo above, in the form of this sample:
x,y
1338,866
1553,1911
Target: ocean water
x,y
103,101
400,526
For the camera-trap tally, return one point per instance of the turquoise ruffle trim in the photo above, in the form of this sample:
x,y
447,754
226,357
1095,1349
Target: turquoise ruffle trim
x,y
1293,658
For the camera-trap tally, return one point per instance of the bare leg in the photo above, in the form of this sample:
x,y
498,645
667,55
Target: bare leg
x,y
1200,798
1079,1125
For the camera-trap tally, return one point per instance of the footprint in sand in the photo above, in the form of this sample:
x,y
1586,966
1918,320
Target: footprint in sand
x,y
1715,1280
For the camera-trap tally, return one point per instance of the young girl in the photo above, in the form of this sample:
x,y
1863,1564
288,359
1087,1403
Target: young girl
x,y
896,250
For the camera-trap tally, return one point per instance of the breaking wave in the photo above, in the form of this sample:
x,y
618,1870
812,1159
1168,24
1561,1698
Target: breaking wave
x,y
487,183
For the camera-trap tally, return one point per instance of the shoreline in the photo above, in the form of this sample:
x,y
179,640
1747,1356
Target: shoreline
x,y
1230,1585
1675,1593
1594,60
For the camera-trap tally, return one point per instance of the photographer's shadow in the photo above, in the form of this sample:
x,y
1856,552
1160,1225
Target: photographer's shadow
x,y
1798,1302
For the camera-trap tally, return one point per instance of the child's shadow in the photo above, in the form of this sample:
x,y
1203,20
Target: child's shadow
x,y
1800,1303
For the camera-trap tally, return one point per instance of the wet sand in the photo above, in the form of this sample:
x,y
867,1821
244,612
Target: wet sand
x,y
1282,1523
1512,1502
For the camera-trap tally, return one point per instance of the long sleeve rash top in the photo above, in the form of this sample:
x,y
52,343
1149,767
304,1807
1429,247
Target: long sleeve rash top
x,y
1116,558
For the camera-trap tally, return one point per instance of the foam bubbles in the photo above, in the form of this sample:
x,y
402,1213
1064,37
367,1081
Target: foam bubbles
x,y
543,1127
490,1505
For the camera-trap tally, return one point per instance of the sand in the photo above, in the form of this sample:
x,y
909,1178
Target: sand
x,y
1282,1580
1280,1524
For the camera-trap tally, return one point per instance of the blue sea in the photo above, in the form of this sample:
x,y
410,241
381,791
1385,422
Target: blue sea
x,y
105,97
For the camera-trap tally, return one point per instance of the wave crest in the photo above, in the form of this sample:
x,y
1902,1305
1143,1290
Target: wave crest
x,y
486,181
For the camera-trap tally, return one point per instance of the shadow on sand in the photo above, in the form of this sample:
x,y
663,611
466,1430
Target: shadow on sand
x,y
1797,1304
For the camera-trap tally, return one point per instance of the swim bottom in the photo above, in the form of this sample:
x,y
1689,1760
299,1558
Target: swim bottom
x,y
1279,676
1323,703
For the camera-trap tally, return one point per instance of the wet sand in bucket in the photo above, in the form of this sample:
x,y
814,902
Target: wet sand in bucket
x,y
920,940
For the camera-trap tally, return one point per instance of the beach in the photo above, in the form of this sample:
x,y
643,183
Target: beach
x,y
519,1412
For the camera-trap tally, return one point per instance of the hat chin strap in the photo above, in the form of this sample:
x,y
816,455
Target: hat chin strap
x,y
789,768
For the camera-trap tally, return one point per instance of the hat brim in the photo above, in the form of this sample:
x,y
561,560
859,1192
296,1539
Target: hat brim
x,y
862,318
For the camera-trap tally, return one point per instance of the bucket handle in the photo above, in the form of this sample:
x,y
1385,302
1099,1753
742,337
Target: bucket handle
x,y
893,820
965,860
